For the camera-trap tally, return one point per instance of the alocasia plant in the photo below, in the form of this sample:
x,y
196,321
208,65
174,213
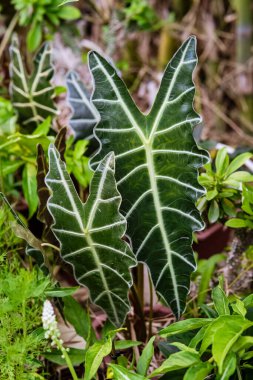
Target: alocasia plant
x,y
32,95
90,235
157,163
84,114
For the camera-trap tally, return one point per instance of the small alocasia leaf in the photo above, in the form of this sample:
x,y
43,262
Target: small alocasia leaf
x,y
198,371
32,95
179,360
95,355
157,163
90,235
146,357
220,300
120,373
184,326
29,185
84,114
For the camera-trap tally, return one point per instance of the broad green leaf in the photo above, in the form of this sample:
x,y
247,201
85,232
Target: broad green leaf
x,y
179,360
211,194
198,337
221,161
229,367
32,95
238,162
120,373
225,337
156,168
198,371
76,356
79,318
29,185
84,114
95,355
183,326
220,300
146,357
90,235
248,301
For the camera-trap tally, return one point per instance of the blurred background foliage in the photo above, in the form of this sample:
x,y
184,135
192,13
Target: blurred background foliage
x,y
141,36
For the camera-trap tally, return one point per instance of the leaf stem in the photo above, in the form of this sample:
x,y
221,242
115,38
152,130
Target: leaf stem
x,y
8,33
69,364
151,301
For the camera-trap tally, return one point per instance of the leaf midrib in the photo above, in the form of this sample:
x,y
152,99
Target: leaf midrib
x,y
147,143
86,233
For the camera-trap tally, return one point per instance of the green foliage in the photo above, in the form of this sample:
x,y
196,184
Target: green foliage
x,y
156,168
221,345
38,14
90,235
32,94
139,13
229,196
21,340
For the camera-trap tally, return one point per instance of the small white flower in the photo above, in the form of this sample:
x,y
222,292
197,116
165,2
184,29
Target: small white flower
x,y
50,325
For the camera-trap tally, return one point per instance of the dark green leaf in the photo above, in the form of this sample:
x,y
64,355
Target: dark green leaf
x,y
156,168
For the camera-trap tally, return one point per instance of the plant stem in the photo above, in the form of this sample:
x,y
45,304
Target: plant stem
x,y
8,33
239,373
150,306
140,284
69,364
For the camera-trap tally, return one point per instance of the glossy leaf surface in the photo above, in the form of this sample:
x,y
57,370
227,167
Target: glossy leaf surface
x,y
157,163
32,95
90,235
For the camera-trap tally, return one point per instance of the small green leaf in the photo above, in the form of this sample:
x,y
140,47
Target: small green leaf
x,y
248,301
198,371
183,326
179,360
211,194
226,335
146,357
238,307
34,36
238,162
241,176
69,13
213,212
221,161
29,185
220,300
236,223
228,207
94,357
120,373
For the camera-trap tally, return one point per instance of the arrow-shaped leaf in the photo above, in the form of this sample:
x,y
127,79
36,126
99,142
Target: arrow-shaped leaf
x,y
90,235
84,114
157,168
32,95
